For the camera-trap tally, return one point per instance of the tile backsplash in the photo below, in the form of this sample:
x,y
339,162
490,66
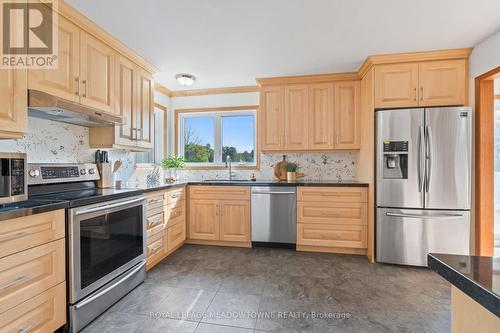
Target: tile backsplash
x,y
315,166
55,142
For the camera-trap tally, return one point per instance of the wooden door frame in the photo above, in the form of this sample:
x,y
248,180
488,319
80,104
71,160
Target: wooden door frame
x,y
484,214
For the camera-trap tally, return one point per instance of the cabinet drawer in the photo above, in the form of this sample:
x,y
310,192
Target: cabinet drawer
x,y
155,248
176,234
155,223
154,201
28,273
175,213
174,196
29,231
219,192
332,194
345,236
332,213
43,313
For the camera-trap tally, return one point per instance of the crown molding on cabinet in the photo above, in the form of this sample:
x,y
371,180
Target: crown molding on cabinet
x,y
164,90
215,91
92,28
315,78
413,57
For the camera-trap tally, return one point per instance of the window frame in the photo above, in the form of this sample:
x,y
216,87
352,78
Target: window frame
x,y
159,137
217,113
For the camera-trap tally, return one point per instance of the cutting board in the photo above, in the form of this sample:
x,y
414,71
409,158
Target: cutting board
x,y
280,169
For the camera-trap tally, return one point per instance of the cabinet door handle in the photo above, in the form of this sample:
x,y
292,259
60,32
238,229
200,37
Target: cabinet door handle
x,y
415,92
222,210
14,236
421,93
174,196
84,82
25,329
217,210
15,282
77,84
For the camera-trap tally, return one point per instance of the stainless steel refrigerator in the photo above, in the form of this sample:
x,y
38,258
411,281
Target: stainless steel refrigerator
x,y
423,183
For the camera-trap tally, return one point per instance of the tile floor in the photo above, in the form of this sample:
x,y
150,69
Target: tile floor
x,y
221,289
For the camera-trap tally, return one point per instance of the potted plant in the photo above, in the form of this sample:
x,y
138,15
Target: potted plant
x,y
172,164
291,171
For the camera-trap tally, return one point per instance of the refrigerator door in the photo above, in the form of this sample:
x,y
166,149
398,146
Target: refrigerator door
x,y
407,236
448,158
400,188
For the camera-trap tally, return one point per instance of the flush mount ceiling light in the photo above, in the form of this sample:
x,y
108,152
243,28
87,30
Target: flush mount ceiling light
x,y
185,79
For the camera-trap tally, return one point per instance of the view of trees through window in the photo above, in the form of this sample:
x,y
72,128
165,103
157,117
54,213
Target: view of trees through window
x,y
235,137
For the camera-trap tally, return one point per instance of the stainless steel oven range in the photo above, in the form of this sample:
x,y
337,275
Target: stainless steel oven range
x,y
106,237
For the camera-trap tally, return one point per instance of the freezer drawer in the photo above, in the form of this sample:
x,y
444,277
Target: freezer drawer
x,y
407,236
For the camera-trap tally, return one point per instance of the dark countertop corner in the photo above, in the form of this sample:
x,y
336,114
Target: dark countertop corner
x,y
29,207
476,276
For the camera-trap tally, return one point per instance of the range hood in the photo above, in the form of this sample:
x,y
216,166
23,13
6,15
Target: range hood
x,y
46,106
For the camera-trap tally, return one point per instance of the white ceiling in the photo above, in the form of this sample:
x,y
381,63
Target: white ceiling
x,y
231,42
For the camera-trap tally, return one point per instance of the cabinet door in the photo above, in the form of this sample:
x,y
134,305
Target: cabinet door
x,y
396,85
204,219
14,102
271,118
321,136
347,97
296,107
63,81
144,114
235,221
125,100
96,73
442,82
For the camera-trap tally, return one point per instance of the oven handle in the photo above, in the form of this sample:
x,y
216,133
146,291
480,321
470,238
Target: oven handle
x,y
105,207
109,288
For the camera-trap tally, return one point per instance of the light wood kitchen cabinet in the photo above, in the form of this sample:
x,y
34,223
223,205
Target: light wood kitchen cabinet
x,y
144,114
321,117
97,73
427,83
234,218
204,219
222,220
296,117
64,81
272,118
442,82
396,85
332,219
126,100
14,98
347,114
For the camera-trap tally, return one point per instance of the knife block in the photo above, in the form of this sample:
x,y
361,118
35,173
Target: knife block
x,y
106,175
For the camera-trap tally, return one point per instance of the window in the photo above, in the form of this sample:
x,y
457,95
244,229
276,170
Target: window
x,y
157,139
207,138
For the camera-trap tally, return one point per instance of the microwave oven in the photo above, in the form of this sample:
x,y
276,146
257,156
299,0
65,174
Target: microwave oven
x,y
13,180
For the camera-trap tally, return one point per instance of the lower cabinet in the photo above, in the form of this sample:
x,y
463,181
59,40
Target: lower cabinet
x,y
222,220
33,273
165,224
332,219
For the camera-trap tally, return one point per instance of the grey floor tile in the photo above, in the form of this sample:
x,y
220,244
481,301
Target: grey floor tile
x,y
156,325
142,300
243,284
187,304
233,310
115,322
281,314
212,328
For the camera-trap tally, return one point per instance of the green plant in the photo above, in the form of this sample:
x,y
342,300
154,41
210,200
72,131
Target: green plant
x,y
292,167
173,162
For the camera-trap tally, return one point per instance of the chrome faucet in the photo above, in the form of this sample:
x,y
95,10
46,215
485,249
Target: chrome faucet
x,y
229,166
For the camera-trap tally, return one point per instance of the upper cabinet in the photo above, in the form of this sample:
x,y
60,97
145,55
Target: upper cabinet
x,y
144,114
310,116
96,73
65,80
13,94
427,83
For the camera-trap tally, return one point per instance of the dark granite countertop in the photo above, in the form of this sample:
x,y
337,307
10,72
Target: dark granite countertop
x,y
271,182
29,207
478,277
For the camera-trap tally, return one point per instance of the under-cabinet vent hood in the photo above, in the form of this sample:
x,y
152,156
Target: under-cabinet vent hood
x,y
46,106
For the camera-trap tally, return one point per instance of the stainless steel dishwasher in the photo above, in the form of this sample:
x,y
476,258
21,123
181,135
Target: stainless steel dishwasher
x,y
274,216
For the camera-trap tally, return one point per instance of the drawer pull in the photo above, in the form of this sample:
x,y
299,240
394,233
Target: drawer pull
x,y
153,201
156,247
15,282
14,236
26,329
155,220
175,195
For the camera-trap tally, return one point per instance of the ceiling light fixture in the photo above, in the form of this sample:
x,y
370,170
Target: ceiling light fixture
x,y
185,79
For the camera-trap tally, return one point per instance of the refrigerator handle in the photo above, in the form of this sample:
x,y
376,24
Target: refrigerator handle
x,y
419,158
425,217
428,158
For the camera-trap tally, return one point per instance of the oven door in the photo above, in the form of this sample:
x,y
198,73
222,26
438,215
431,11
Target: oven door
x,y
105,240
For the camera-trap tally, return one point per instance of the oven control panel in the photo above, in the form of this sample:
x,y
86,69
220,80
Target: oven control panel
x,y
60,173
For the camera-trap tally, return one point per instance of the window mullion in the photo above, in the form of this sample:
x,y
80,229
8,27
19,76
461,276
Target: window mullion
x,y
218,140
